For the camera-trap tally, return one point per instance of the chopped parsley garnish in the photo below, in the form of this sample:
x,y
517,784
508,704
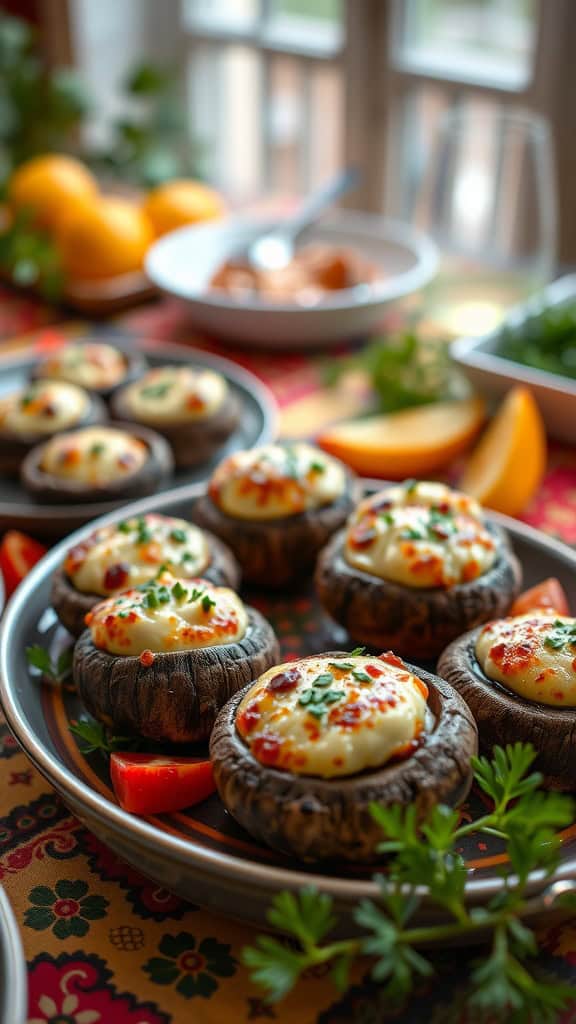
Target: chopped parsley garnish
x,y
178,591
27,399
563,633
361,677
388,518
195,595
163,595
156,390
150,599
323,680
97,449
125,526
410,486
207,603
357,651
411,534
187,556
122,615
344,666
178,535
318,467
144,532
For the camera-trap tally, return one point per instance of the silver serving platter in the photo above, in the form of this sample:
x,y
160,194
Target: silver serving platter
x,y
13,979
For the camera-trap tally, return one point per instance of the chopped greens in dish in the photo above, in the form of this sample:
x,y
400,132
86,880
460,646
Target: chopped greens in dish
x,y
546,341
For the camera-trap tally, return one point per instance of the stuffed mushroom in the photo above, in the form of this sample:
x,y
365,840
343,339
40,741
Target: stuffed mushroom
x,y
39,411
276,506
193,409
104,463
161,660
416,566
131,553
98,367
300,755
518,677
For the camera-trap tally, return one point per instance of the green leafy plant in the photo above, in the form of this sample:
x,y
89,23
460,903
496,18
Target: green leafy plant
x,y
95,737
546,341
30,258
40,108
58,671
151,144
405,370
423,862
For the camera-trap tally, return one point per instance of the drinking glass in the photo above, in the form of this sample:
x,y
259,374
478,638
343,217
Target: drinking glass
x,y
488,199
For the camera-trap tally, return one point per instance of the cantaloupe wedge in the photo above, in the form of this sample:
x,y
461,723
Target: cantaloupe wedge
x,y
507,466
408,443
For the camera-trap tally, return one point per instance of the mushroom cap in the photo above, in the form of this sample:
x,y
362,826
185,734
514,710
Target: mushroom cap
x,y
414,622
192,441
72,605
177,697
275,553
152,475
321,819
504,717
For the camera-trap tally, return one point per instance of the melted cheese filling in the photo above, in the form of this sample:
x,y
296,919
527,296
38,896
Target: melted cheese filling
x,y
173,393
168,615
534,655
92,365
420,535
130,553
94,456
44,407
275,481
333,716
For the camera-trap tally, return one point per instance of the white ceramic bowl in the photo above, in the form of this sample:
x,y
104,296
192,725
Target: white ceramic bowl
x,y
182,263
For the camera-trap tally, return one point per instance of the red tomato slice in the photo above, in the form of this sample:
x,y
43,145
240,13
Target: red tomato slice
x,y
18,553
151,784
549,595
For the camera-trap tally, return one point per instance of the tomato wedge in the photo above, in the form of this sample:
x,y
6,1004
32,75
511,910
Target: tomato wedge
x,y
18,553
152,784
548,595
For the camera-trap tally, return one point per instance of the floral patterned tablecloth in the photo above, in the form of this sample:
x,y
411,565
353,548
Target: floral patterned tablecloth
x,y
106,946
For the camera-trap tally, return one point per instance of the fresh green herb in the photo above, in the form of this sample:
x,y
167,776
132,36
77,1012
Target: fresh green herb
x,y
318,711
187,556
29,257
144,532
305,697
207,603
178,591
388,518
563,633
323,680
195,594
318,467
361,677
125,526
38,657
344,666
357,652
156,390
163,595
97,449
178,535
331,696
95,737
405,370
410,486
122,615
424,863
411,534
26,399
150,599
546,341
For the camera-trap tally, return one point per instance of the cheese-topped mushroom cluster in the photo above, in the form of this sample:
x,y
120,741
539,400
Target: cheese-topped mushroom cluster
x,y
333,715
420,535
275,481
94,455
534,655
168,614
130,553
90,364
172,394
44,407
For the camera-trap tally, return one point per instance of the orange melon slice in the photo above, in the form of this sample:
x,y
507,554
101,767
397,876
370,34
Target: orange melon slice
x,y
507,466
412,442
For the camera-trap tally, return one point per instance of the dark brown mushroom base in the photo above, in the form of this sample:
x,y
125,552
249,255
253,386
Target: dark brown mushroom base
x,y
192,441
72,605
150,477
276,553
413,622
175,699
504,717
318,819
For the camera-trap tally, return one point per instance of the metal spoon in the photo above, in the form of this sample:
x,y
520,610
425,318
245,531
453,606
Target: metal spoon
x,y
275,249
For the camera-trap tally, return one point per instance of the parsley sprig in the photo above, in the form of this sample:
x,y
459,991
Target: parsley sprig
x,y
94,737
58,671
424,862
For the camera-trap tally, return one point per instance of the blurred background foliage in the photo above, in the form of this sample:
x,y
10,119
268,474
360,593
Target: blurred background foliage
x,y
43,110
